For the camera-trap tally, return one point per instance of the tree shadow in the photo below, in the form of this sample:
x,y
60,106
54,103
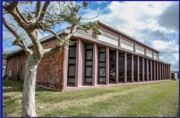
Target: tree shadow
x,y
17,86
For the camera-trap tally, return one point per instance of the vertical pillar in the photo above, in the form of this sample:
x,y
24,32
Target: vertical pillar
x,y
107,65
154,70
151,75
65,67
95,64
138,68
147,69
125,67
132,68
117,66
142,69
79,63
157,70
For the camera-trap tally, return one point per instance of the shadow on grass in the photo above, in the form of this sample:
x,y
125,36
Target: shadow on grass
x,y
17,86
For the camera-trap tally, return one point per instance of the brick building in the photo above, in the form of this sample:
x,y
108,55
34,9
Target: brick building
x,y
113,57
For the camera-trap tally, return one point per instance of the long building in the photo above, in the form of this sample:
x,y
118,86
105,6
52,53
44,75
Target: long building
x,y
110,58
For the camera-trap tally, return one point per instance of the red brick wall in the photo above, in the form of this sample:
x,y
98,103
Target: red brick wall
x,y
50,70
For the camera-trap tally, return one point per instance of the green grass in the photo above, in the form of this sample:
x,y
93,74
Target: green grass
x,y
158,98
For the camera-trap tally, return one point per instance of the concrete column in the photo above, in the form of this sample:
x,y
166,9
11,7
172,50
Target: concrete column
x,y
125,67
154,70
132,68
157,70
65,67
151,75
79,63
107,65
147,69
117,66
138,68
95,64
142,69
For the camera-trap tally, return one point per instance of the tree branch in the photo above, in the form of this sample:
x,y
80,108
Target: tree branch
x,y
38,9
10,6
60,41
21,16
42,11
12,9
19,41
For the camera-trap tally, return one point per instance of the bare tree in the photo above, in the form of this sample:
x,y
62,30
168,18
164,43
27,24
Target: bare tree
x,y
43,17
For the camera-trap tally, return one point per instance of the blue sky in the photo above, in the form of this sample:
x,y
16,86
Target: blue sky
x,y
153,23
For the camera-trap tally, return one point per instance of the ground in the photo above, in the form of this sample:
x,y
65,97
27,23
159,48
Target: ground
x,y
158,98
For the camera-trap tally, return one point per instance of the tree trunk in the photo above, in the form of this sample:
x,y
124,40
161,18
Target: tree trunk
x,y
28,95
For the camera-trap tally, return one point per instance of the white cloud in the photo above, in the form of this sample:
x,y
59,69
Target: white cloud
x,y
134,18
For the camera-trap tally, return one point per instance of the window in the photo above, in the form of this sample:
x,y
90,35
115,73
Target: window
x,y
139,50
155,55
71,66
121,67
127,45
102,66
109,38
149,53
112,68
88,64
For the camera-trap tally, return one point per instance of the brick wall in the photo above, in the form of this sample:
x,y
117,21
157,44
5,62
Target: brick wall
x,y
50,70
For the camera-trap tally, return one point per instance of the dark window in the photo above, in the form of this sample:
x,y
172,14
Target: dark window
x,y
88,64
102,66
121,67
149,70
145,69
128,67
140,68
112,68
71,66
135,68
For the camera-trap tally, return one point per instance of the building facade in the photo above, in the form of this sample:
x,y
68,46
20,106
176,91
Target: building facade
x,y
110,58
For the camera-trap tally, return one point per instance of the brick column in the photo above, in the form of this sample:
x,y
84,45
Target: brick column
x,y
138,68
95,64
142,69
154,70
117,66
65,67
132,68
151,75
125,67
79,63
147,69
107,65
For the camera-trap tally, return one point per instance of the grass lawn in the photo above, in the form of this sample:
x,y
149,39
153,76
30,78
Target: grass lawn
x,y
159,98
